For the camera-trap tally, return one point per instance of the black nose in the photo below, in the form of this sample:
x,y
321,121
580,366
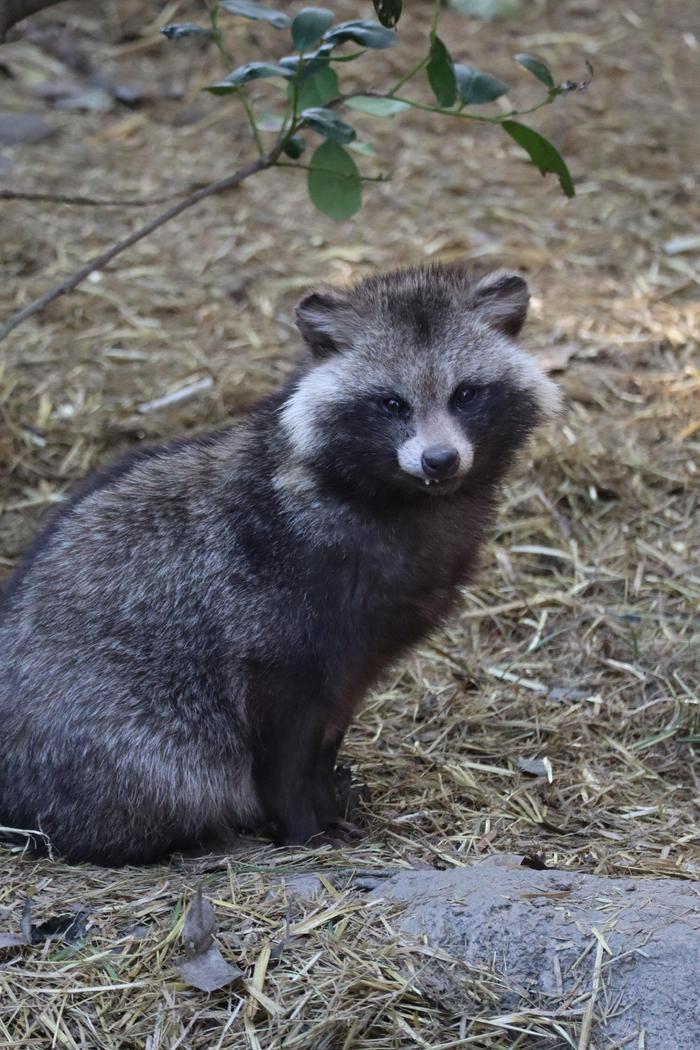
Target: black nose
x,y
440,461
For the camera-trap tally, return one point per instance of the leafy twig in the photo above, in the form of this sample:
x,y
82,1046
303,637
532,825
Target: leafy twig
x,y
545,157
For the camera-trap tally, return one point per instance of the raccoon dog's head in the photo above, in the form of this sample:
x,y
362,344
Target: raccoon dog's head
x,y
415,382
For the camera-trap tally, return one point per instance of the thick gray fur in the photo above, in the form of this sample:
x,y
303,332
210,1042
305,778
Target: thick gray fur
x,y
183,647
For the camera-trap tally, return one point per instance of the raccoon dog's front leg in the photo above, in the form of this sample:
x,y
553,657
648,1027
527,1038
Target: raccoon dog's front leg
x,y
329,803
293,764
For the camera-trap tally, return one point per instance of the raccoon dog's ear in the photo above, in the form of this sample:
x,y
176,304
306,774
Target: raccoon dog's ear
x,y
501,298
326,320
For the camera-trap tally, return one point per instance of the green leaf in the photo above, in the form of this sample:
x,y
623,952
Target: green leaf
x,y
487,10
388,11
476,88
441,74
377,107
257,12
327,122
294,147
317,90
250,71
334,182
307,66
542,153
537,67
178,30
364,32
309,26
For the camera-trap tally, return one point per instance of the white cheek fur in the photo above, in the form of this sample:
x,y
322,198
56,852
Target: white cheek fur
x,y
409,455
323,385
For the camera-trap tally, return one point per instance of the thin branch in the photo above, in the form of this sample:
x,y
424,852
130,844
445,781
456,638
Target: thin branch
x,y
96,202
70,283
295,88
460,114
340,99
436,18
411,73
251,120
217,37
213,12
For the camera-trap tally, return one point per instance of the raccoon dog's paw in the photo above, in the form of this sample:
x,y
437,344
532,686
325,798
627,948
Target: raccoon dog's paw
x,y
339,832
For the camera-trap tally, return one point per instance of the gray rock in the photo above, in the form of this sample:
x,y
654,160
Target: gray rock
x,y
304,886
535,925
91,99
18,128
187,115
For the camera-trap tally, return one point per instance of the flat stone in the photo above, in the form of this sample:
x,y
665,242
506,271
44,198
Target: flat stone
x,y
536,924
19,128
305,886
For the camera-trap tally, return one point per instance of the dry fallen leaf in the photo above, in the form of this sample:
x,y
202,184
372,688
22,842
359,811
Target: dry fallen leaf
x,y
203,966
69,928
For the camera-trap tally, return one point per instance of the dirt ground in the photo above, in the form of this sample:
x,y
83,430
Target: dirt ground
x,y
578,643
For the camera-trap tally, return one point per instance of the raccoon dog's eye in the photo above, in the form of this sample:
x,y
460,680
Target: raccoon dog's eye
x,y
395,406
465,393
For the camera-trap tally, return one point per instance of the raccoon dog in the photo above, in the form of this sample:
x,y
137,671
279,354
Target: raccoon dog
x,y
183,647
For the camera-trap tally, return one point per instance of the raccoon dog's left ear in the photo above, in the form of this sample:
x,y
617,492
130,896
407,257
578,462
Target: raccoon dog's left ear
x,y
501,299
326,320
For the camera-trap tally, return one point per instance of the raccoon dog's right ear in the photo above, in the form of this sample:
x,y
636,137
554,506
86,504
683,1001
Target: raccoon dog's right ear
x,y
501,298
326,321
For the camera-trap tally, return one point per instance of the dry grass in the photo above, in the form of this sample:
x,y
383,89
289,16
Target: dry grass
x,y
579,642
